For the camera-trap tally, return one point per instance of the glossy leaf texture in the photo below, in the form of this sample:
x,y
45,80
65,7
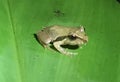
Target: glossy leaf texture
x,y
23,59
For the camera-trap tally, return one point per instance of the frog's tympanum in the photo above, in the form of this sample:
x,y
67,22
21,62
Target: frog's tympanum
x,y
60,35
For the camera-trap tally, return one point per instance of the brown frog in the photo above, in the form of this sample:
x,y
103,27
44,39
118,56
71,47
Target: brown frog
x,y
60,35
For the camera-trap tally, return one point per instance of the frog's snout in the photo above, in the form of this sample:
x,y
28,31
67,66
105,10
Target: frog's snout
x,y
85,39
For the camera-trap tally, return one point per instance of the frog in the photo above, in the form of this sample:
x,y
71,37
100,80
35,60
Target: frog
x,y
58,35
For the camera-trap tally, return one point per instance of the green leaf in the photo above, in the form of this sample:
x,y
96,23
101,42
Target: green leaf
x,y
23,59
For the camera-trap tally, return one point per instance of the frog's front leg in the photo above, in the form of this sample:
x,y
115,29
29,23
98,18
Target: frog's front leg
x,y
58,44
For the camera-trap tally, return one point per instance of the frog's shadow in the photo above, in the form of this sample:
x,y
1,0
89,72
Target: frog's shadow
x,y
72,47
35,36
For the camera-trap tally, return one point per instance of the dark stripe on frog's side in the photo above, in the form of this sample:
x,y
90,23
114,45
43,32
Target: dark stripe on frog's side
x,y
71,37
60,38
63,37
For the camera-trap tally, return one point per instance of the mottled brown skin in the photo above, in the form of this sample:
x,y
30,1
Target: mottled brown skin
x,y
52,33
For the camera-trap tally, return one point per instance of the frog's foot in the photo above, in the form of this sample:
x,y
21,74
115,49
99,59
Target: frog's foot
x,y
47,47
61,49
69,53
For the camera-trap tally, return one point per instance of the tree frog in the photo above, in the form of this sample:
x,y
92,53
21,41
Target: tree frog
x,y
57,35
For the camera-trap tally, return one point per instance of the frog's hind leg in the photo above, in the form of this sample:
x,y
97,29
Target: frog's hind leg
x,y
47,47
61,49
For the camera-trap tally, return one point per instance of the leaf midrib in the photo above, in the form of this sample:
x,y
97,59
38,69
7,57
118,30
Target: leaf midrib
x,y
12,25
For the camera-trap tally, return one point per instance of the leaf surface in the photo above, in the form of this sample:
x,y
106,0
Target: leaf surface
x,y
23,59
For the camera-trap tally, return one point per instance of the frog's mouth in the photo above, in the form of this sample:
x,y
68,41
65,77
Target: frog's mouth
x,y
83,39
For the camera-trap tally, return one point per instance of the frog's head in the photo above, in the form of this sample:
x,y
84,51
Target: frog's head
x,y
80,33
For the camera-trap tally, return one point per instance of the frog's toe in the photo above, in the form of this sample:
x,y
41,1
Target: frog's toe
x,y
74,53
71,53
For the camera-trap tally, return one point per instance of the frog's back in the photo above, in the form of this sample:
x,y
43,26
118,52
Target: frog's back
x,y
58,31
49,34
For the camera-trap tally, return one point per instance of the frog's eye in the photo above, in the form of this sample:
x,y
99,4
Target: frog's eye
x,y
82,29
72,37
